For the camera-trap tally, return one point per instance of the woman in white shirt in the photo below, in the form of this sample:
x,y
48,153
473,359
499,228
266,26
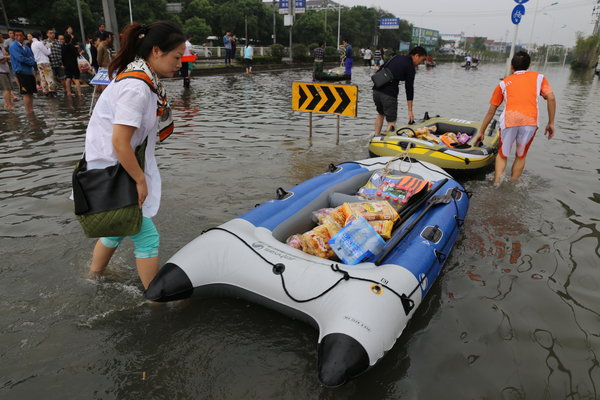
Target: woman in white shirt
x,y
41,54
131,109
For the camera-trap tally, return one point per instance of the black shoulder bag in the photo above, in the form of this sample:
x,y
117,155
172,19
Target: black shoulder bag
x,y
383,76
106,199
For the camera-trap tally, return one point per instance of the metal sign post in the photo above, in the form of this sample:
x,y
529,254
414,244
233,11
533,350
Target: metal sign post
x,y
516,15
100,79
325,99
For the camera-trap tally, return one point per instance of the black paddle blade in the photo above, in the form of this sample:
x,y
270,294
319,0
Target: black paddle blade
x,y
440,199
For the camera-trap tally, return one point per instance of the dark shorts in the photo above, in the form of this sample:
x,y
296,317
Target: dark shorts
x,y
59,73
26,83
72,74
386,105
248,62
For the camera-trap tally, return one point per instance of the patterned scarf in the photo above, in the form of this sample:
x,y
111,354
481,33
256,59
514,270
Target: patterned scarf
x,y
139,69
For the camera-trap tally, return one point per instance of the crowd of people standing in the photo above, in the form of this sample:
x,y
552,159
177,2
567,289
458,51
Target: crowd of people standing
x,y
44,62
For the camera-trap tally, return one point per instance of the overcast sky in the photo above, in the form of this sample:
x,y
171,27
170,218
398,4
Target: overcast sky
x,y
491,18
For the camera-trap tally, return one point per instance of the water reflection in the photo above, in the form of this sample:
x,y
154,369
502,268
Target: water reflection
x,y
515,305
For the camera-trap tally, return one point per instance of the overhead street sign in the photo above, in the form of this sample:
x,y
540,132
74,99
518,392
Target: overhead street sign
x,y
325,98
389,23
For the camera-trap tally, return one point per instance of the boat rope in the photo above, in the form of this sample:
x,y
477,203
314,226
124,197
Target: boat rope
x,y
407,302
400,158
279,268
466,160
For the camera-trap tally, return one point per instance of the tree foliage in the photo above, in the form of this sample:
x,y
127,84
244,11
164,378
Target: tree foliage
x,y
202,18
586,51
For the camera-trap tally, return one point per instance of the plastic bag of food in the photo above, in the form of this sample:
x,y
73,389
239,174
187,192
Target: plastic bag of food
x,y
383,228
370,210
315,242
463,138
295,241
356,241
332,225
449,139
319,215
394,187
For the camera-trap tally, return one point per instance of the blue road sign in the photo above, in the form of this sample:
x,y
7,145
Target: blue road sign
x,y
389,23
101,77
521,1
284,6
517,13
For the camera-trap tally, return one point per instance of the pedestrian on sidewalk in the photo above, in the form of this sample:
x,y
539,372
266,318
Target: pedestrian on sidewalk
x,y
41,54
23,62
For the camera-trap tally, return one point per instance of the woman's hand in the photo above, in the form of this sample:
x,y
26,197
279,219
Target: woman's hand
x,y
142,191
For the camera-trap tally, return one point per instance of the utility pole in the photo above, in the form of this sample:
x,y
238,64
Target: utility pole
x,y
4,14
110,20
81,22
292,4
274,22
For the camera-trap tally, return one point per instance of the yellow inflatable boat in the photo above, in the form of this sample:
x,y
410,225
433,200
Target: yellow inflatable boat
x,y
445,142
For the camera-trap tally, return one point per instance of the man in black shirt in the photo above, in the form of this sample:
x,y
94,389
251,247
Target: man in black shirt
x,y
386,97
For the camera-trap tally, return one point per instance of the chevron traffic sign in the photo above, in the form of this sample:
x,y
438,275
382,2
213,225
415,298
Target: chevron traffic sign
x,y
325,98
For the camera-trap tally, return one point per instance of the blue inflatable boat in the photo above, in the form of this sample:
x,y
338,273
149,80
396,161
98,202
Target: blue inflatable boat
x,y
360,310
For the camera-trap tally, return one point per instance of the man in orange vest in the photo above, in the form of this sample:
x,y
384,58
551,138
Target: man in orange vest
x,y
519,120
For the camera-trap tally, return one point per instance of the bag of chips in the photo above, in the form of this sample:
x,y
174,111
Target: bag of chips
x,y
370,210
315,242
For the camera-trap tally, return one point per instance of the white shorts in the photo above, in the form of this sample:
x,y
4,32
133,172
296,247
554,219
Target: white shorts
x,y
522,135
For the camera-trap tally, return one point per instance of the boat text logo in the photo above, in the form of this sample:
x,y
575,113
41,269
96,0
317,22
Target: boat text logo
x,y
269,249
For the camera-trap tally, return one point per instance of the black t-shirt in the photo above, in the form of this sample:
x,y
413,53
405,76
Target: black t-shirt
x,y
403,69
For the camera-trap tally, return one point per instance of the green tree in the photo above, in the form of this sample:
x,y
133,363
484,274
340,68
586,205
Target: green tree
x,y
478,44
586,51
197,28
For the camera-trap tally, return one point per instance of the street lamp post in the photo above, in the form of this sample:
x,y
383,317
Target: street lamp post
x,y
421,27
534,17
339,21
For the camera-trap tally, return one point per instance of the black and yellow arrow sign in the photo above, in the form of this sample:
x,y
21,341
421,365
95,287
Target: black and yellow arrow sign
x,y
325,98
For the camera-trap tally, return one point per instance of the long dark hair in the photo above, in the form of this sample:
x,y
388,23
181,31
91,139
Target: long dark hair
x,y
137,40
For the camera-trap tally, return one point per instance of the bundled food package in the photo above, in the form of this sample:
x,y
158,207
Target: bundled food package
x,y
383,228
393,187
320,214
426,133
370,210
295,241
315,242
463,138
449,139
356,242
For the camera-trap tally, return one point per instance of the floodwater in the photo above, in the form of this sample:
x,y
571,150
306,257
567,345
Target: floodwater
x,y
514,315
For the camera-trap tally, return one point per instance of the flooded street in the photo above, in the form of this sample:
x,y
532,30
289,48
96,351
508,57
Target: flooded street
x,y
514,314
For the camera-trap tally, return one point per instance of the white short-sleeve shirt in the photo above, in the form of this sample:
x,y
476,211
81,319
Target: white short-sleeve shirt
x,y
127,102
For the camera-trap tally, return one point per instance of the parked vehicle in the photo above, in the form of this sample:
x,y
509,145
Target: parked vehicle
x,y
201,51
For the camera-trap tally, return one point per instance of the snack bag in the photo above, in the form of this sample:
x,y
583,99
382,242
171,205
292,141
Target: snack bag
x,y
383,228
319,215
356,241
315,242
295,241
332,225
370,210
449,139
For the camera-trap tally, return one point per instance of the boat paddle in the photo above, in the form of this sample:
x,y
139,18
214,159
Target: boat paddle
x,y
393,242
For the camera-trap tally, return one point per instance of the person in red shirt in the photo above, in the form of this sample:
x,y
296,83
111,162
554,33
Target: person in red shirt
x,y
519,120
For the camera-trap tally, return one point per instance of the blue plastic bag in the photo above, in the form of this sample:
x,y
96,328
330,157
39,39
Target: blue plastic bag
x,y
356,241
